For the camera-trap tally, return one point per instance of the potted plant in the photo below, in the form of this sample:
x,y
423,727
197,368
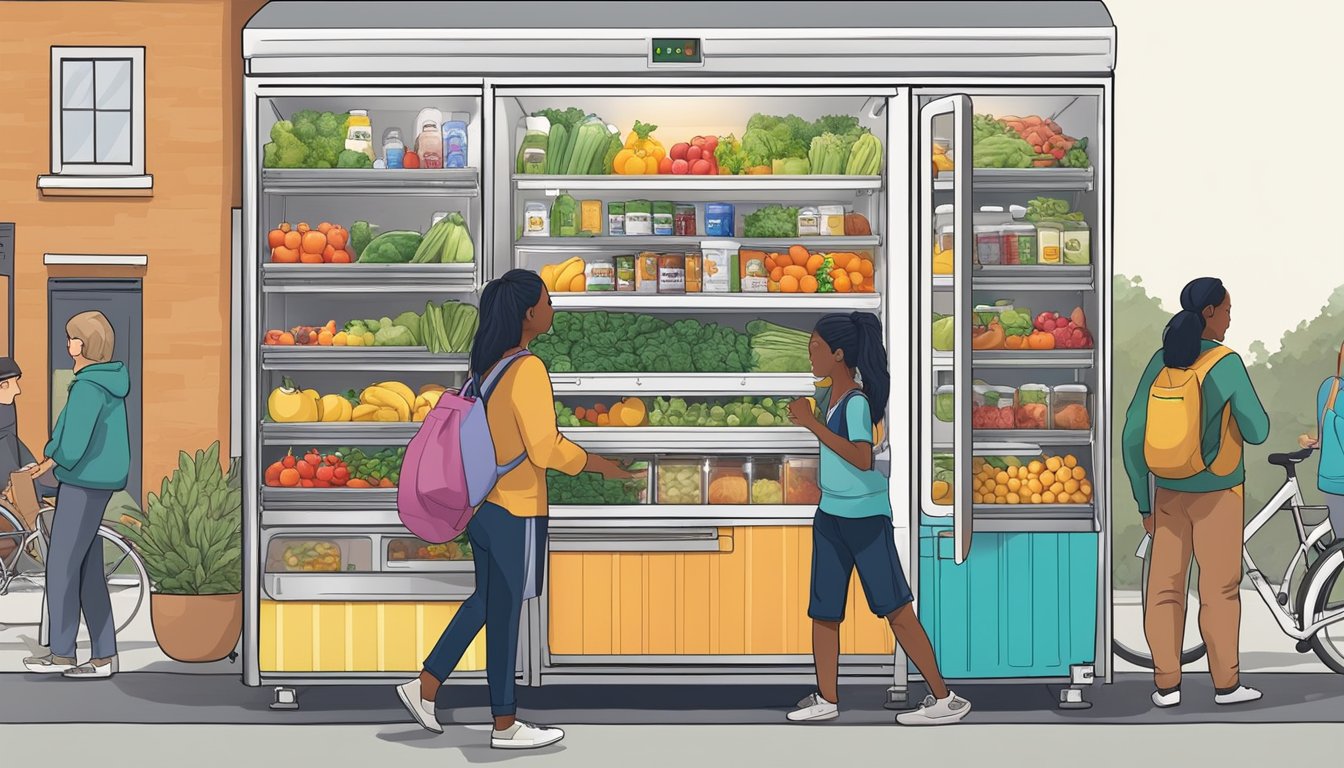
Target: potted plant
x,y
190,537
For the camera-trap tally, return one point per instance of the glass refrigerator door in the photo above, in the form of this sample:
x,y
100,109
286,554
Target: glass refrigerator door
x,y
945,277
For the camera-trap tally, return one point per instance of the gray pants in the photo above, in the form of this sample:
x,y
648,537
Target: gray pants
x,y
1336,505
75,577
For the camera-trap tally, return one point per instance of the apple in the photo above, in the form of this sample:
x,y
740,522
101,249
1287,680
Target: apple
x,y
693,154
711,144
665,165
679,151
700,168
680,167
698,141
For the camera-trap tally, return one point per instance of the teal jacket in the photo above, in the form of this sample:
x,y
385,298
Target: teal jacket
x,y
1330,471
1227,383
91,444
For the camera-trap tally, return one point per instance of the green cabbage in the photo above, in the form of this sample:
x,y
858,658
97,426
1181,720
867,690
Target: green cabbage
x,y
393,336
944,334
945,406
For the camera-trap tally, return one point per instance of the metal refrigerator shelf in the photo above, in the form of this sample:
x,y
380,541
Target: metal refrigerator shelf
x,y
698,440
722,302
1054,358
727,384
368,278
378,587
457,182
617,242
339,433
1032,278
1025,179
726,184
382,359
328,499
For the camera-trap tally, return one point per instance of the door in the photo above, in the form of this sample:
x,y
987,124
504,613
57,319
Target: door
x,y
121,302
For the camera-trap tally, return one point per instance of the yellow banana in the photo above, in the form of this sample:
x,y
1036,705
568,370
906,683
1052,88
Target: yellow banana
x,y
388,414
548,276
400,389
334,408
364,412
386,398
568,271
422,412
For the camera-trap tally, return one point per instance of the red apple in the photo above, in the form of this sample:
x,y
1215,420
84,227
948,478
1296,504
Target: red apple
x,y
665,165
680,167
698,141
700,168
711,144
679,151
693,154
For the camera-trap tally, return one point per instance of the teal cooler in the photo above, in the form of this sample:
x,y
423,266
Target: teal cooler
x,y
1023,605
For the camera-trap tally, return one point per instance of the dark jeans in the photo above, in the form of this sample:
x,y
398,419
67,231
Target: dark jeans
x,y
75,578
506,562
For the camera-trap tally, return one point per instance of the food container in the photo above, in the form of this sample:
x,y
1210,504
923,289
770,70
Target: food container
x,y
947,237
1033,407
832,220
639,218
672,273
809,221
590,217
1019,243
536,219
318,555
755,277
1049,243
767,481
694,273
646,272
1069,407
616,218
625,273
1077,244
591,489
992,407
413,550
800,480
729,481
719,219
683,221
681,481
600,274
988,244
663,215
719,266
945,403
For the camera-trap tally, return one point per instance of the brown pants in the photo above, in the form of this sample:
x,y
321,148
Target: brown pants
x,y
1208,526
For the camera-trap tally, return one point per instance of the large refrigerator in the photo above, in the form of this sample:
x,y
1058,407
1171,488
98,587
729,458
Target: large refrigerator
x,y
684,580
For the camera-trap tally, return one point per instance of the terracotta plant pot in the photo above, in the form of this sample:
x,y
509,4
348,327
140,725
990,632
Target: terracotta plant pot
x,y
197,628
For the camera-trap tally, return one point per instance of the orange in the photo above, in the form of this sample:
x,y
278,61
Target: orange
x,y
839,273
275,238
283,255
795,271
842,284
788,284
814,264
799,254
855,278
293,240
866,268
324,227
809,284
776,273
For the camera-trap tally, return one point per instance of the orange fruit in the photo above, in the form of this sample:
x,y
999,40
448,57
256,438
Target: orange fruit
x,y
808,284
314,242
795,272
275,238
842,284
324,227
303,228
814,264
293,240
325,338
776,273
866,268
855,278
788,284
799,254
770,263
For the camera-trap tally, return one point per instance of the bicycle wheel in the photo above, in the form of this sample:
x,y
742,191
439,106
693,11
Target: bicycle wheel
x,y
127,579
1328,642
1132,646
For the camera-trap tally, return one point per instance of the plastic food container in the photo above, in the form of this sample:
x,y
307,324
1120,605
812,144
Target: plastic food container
x,y
681,481
832,220
1077,244
683,221
625,273
988,244
800,480
1049,243
318,555
993,407
729,481
767,481
664,215
1069,407
1033,407
601,275
809,221
719,266
410,550
945,404
1019,244
536,219
672,273
719,219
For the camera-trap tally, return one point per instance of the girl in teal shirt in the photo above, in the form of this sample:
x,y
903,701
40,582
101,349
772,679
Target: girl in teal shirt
x,y
853,527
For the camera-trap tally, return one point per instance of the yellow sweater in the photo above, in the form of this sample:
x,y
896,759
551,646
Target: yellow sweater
x,y
521,413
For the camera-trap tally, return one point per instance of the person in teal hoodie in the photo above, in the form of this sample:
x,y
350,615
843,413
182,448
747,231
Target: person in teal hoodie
x,y
1329,438
90,456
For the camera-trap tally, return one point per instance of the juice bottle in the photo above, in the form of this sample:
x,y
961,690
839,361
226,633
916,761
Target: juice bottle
x,y
359,133
394,150
455,143
429,142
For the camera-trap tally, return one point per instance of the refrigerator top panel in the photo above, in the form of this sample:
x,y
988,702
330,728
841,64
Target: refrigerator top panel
x,y
781,39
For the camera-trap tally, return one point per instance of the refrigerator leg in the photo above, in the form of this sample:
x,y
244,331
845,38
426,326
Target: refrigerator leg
x,y
285,698
898,694
1080,677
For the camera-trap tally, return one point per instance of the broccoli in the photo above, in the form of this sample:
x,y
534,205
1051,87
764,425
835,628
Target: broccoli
x,y
305,131
327,149
285,152
329,124
351,159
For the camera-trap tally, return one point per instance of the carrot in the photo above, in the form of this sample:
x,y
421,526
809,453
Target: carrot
x,y
356,482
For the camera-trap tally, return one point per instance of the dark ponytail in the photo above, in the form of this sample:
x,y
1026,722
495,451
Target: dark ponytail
x,y
858,336
1182,337
504,303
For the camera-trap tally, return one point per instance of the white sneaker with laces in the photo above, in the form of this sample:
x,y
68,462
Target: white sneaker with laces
x,y
525,736
814,708
421,710
1167,700
937,711
1242,695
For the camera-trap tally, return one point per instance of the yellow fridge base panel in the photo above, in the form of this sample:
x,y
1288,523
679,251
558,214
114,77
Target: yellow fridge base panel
x,y
356,637
750,598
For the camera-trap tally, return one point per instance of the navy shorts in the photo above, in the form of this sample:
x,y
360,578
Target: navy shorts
x,y
842,544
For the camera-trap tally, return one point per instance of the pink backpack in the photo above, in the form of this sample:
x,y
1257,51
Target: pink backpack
x,y
449,466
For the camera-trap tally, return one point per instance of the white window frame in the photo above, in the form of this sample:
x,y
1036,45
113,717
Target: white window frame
x,y
126,177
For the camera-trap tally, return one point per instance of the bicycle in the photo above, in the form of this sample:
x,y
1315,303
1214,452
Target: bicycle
x,y
1313,610
23,550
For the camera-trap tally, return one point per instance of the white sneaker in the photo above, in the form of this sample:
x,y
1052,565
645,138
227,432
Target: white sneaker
x,y
814,708
1242,695
421,710
48,665
525,736
937,711
90,670
1167,700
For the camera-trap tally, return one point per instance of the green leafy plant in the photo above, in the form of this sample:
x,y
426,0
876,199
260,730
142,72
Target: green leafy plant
x,y
190,534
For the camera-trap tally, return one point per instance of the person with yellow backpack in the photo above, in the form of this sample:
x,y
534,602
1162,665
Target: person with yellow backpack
x,y
1193,411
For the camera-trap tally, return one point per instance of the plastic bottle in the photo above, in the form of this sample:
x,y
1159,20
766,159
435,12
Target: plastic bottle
x,y
394,149
359,133
532,151
455,143
429,142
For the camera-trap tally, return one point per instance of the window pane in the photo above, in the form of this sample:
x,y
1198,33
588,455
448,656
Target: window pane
x,y
114,137
76,137
114,84
77,84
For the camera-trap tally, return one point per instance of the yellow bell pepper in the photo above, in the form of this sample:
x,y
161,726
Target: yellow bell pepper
x,y
288,405
641,153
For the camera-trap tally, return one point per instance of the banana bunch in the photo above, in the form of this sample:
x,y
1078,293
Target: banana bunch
x,y
427,399
566,277
388,401
335,408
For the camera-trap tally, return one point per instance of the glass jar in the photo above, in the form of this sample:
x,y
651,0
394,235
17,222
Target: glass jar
x,y
988,244
729,481
1033,407
800,481
992,407
1019,244
1069,407
681,481
672,273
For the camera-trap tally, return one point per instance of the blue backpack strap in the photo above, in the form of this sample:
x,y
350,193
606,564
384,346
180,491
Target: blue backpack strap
x,y
487,388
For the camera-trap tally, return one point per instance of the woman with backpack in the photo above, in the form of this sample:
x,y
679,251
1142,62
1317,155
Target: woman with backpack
x,y
853,527
1194,408
1330,439
508,531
